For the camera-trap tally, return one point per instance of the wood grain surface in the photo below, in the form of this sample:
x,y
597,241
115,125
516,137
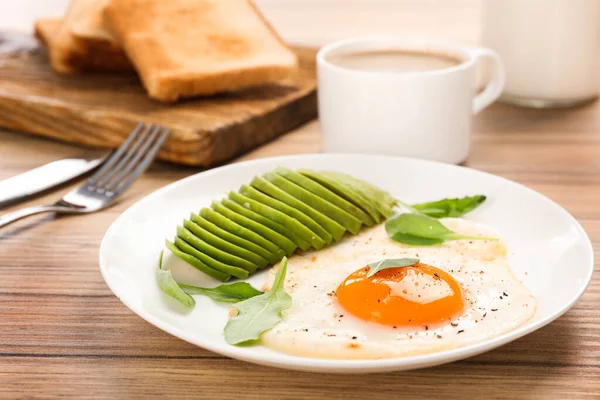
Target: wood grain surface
x,y
99,110
63,333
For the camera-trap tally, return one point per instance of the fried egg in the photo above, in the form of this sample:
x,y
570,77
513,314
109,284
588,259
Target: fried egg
x,y
461,292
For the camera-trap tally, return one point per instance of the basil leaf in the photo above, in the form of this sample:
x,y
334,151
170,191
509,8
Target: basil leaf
x,y
259,313
416,225
170,287
450,207
226,293
415,240
418,229
390,263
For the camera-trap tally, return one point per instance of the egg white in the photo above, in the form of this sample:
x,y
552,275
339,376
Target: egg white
x,y
316,325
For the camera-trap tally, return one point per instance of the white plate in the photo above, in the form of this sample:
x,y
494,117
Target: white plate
x,y
548,250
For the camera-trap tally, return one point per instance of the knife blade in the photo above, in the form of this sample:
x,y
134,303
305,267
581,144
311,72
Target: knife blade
x,y
41,179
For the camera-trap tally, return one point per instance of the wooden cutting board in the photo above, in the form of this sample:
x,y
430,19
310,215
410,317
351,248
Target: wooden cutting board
x,y
99,110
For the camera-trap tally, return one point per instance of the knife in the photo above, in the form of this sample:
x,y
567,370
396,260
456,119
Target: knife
x,y
41,179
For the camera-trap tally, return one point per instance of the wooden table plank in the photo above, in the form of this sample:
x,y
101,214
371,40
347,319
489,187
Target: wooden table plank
x,y
223,378
63,333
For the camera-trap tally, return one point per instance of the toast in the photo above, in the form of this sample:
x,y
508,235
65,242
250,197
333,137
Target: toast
x,y
185,48
45,28
79,43
66,57
103,52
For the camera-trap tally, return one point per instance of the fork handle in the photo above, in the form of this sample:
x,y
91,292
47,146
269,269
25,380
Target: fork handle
x,y
26,212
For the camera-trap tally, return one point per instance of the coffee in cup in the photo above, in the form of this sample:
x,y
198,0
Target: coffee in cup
x,y
393,60
402,96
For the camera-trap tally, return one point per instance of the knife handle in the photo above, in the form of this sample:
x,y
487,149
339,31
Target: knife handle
x,y
43,178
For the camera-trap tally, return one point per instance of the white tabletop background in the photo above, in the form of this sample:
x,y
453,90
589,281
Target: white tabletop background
x,y
316,25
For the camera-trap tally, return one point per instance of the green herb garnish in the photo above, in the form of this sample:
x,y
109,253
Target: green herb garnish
x,y
226,293
449,207
170,287
418,229
259,313
390,263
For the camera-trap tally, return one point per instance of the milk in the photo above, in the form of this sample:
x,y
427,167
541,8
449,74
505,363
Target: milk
x,y
550,49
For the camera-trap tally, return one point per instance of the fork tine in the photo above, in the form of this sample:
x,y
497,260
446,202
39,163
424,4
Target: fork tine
x,y
148,158
131,164
115,156
130,152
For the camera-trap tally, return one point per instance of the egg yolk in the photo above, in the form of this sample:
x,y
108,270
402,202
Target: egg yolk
x,y
419,295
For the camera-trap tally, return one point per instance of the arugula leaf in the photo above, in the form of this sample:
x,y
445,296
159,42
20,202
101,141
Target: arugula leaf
x,y
170,287
418,229
226,293
259,313
390,263
450,207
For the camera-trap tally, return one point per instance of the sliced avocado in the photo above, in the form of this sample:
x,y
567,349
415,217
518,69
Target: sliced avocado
x,y
279,217
286,244
382,200
305,220
233,206
238,230
199,265
226,241
211,262
345,191
335,230
213,252
322,192
348,221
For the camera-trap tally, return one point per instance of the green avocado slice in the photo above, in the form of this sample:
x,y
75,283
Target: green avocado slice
x,y
199,265
279,217
286,244
233,206
321,204
322,192
211,251
226,241
291,212
335,230
345,191
382,200
238,230
211,262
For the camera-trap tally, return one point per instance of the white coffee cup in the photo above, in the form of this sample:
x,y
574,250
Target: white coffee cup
x,y
425,114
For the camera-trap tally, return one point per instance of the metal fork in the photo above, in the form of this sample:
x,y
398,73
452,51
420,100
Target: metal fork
x,y
117,173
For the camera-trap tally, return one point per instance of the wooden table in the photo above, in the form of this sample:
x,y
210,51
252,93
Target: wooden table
x,y
63,333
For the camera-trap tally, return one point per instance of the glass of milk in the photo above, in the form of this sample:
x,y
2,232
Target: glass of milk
x,y
550,49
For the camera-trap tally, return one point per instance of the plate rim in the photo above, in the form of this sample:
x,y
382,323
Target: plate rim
x,y
311,364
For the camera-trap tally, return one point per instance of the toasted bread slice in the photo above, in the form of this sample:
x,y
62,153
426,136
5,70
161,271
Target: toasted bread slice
x,y
78,42
103,52
185,48
66,55
45,29
90,25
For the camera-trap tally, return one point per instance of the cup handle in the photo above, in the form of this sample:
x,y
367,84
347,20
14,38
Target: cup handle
x,y
494,87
